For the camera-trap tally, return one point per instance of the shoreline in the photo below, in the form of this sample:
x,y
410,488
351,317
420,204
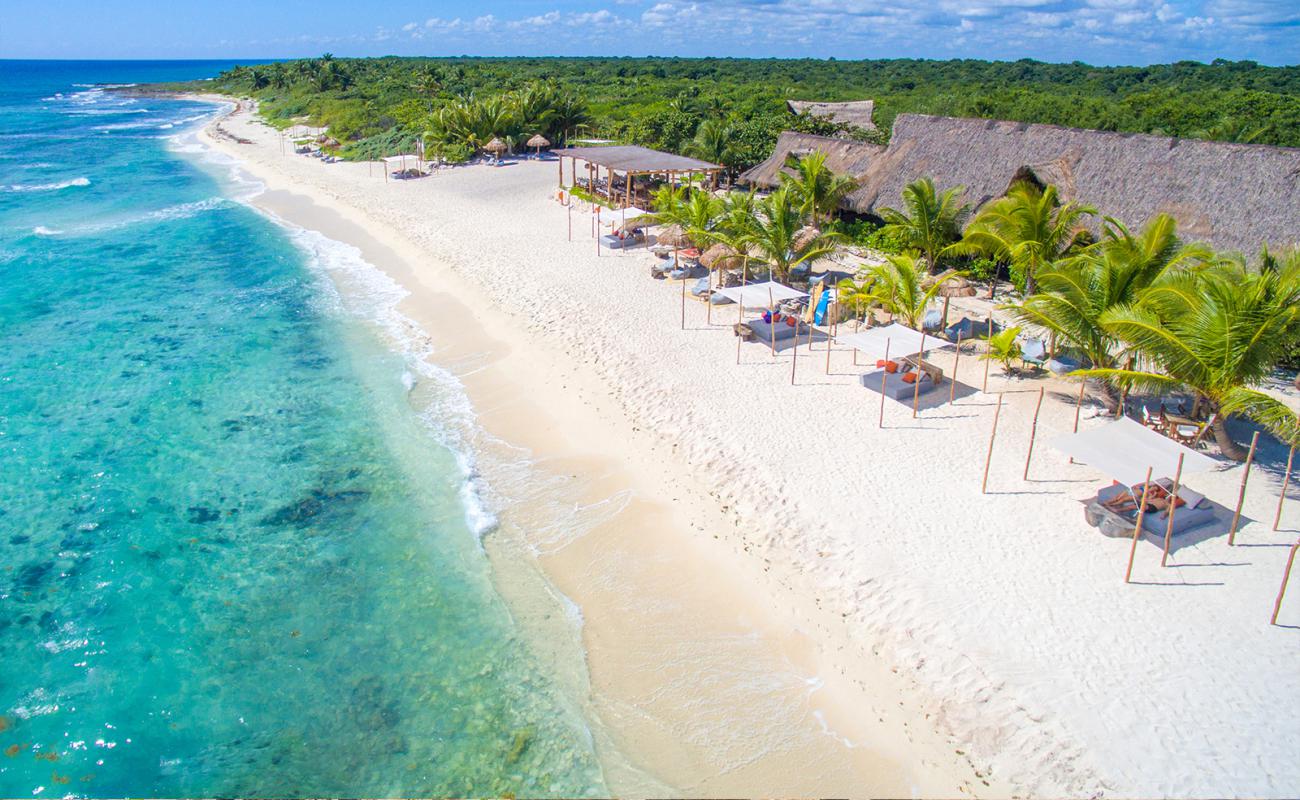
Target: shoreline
x,y
979,638
697,574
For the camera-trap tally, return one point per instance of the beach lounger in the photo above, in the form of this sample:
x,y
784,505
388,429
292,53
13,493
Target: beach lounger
x,y
964,326
756,330
1033,352
701,287
931,321
897,386
1063,365
1195,512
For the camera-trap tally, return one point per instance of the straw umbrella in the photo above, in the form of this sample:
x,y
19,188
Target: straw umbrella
x,y
804,236
718,257
956,286
496,147
539,141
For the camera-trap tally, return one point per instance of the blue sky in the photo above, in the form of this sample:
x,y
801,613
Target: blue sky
x,y
1097,31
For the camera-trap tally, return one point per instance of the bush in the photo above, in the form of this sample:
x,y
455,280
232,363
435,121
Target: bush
x,y
457,152
982,269
866,233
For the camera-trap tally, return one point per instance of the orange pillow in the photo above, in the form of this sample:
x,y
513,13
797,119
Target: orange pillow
x,y
891,366
909,377
880,362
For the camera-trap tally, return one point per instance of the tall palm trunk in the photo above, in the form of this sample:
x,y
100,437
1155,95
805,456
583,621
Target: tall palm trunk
x,y
1227,446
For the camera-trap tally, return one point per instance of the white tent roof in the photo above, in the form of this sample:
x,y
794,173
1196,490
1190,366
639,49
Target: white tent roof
x,y
592,141
761,295
900,341
401,158
1123,449
617,215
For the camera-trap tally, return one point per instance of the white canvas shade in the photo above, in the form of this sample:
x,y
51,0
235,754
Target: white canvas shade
x,y
760,295
1125,449
615,216
400,159
899,341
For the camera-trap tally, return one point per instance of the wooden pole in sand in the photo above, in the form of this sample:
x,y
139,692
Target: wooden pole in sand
x,y
988,346
561,166
771,316
1241,496
952,379
1033,433
830,336
884,378
920,372
794,354
1137,528
1173,506
1286,576
570,210
683,302
740,307
984,487
1078,406
1286,481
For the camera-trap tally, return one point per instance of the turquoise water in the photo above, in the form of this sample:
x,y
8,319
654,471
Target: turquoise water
x,y
234,559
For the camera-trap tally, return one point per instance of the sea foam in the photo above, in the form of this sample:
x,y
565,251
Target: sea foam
x,y
46,187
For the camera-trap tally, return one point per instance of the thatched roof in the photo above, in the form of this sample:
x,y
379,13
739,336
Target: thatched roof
x,y
496,145
845,156
633,158
1231,196
538,140
855,112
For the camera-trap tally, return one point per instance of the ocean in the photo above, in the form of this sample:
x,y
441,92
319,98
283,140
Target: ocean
x,y
234,558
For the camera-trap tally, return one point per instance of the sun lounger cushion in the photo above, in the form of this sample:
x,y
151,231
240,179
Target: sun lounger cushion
x,y
896,386
763,331
1193,513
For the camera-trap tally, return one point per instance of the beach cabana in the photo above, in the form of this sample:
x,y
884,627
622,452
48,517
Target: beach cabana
x,y
399,161
538,141
1140,460
618,216
889,345
767,294
496,147
633,162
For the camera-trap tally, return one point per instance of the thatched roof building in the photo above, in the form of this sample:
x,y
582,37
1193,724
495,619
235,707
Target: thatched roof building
x,y
855,112
1231,196
845,156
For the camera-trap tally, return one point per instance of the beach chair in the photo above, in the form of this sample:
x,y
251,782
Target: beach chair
x,y
701,289
1063,365
932,321
1033,352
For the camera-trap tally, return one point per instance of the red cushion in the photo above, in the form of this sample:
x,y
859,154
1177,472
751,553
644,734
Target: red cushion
x,y
891,366
909,377
789,320
880,362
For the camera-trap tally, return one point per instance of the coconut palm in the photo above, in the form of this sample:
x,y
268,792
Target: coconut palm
x,y
856,296
931,220
713,142
737,225
1004,348
776,240
1217,332
899,286
818,189
1074,293
1029,228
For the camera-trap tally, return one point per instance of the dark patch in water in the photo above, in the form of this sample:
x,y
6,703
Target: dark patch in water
x,y
20,539
200,515
371,710
30,576
313,505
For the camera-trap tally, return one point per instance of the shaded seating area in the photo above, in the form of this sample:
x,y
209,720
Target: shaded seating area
x,y
1129,452
896,351
773,324
630,173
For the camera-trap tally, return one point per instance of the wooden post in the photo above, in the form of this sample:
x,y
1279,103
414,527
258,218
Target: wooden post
x,y
920,363
1286,481
1137,528
1173,506
683,303
561,166
570,210
794,354
952,379
1286,576
830,335
1078,406
1241,496
771,316
988,348
884,378
1033,433
984,487
740,311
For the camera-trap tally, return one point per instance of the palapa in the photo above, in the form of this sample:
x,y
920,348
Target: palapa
x,y
496,146
539,141
672,236
720,256
804,236
953,286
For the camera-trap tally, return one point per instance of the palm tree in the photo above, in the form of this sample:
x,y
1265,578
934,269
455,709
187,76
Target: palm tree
x,y
857,296
776,234
713,142
819,190
1029,228
1004,348
427,82
1074,293
931,222
737,225
899,286
1217,332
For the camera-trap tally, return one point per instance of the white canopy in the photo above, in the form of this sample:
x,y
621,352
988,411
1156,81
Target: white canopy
x,y
899,340
400,159
761,295
616,216
1123,449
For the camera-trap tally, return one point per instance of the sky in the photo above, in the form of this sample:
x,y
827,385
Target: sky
x,y
1096,31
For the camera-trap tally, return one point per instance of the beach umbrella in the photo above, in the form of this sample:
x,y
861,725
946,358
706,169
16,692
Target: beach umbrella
x,y
539,141
804,236
956,286
720,256
330,142
672,236
496,147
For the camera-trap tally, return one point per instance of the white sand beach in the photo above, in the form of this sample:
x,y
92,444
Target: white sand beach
x,y
778,596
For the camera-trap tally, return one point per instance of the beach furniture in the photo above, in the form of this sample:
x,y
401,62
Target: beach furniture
x,y
966,327
932,321
898,379
1032,352
1114,510
1063,365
